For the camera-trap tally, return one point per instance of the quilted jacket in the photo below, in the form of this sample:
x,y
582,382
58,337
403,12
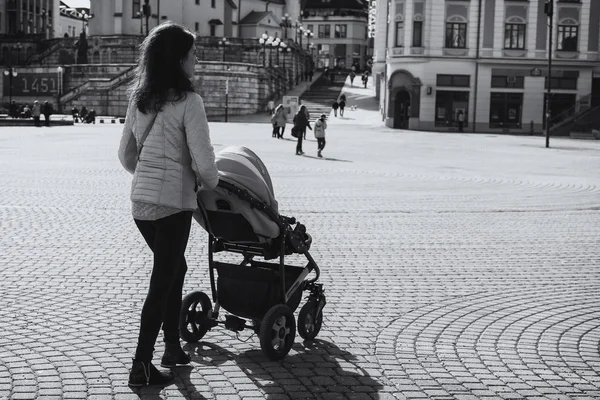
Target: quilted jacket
x,y
176,154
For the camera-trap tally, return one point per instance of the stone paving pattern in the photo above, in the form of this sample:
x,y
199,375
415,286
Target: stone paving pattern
x,y
456,266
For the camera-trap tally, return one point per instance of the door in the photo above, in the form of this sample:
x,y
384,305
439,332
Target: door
x,y
402,110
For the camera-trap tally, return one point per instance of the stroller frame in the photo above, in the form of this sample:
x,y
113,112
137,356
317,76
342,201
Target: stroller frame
x,y
276,333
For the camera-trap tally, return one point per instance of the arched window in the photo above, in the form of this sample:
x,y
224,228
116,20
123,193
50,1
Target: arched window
x,y
456,32
418,30
515,30
399,23
568,34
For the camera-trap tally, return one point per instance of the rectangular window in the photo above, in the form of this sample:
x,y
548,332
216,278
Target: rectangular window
x,y
448,105
136,8
196,26
213,30
456,35
341,31
568,83
503,81
567,37
417,34
453,80
324,31
399,34
310,27
213,4
514,36
505,110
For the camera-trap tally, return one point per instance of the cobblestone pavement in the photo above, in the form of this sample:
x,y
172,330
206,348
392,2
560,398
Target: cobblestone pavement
x,y
456,266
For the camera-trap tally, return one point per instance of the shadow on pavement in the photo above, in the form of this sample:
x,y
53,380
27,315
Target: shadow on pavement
x,y
316,367
327,159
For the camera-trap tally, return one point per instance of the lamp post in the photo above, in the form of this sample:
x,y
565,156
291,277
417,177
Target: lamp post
x,y
300,34
549,10
269,43
222,44
83,20
147,11
11,73
312,55
286,22
308,35
275,45
59,72
43,15
282,49
141,17
263,43
227,96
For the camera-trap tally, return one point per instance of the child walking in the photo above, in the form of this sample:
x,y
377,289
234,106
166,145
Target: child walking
x,y
320,127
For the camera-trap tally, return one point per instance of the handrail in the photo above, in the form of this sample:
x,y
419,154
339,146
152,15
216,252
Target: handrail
x,y
571,113
103,83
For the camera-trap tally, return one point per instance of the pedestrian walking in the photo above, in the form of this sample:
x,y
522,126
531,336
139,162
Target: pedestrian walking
x,y
270,107
352,76
320,127
461,120
301,122
166,146
365,79
279,120
47,112
36,112
335,107
342,104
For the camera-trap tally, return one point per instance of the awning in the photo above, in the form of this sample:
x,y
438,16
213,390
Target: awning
x,y
215,22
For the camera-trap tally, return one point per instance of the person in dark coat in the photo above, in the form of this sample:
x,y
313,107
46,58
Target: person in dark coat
x,y
342,104
301,122
13,110
335,107
47,112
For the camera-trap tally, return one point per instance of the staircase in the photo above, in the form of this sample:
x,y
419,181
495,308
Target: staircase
x,y
563,123
587,126
321,95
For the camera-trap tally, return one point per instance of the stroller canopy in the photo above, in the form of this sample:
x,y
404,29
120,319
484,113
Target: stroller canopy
x,y
243,168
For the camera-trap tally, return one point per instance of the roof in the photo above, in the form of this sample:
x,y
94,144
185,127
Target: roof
x,y
336,4
255,17
215,21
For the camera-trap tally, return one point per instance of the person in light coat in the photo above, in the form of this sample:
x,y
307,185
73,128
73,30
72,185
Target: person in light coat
x,y
36,112
319,130
167,167
279,121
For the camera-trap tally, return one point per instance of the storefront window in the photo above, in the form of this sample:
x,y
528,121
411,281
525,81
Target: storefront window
x,y
505,110
447,106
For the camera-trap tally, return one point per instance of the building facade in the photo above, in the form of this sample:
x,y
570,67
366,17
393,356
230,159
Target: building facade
x,y
484,59
339,30
219,18
29,17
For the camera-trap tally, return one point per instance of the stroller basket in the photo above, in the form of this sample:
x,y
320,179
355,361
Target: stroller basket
x,y
250,291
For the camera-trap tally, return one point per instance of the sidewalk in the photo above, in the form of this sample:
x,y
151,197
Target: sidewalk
x,y
367,106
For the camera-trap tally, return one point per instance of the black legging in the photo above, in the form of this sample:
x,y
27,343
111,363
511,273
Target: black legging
x,y
320,143
167,237
301,133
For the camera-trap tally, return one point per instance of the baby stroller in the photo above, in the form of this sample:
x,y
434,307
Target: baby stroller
x,y
241,217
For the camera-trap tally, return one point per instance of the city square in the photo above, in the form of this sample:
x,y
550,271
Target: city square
x,y
456,266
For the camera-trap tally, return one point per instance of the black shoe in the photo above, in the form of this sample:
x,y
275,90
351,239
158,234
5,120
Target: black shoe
x,y
144,373
174,356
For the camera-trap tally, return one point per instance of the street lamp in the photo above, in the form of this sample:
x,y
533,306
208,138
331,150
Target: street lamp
x,y
269,43
147,11
11,73
222,44
286,22
300,32
549,11
59,72
43,15
275,45
308,35
282,48
263,43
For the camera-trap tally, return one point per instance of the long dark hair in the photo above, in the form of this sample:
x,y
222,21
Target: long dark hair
x,y
159,75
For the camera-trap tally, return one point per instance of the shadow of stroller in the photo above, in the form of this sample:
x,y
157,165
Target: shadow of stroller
x,y
327,159
318,367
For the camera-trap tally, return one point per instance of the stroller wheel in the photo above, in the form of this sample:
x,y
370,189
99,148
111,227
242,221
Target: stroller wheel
x,y
277,332
309,324
193,318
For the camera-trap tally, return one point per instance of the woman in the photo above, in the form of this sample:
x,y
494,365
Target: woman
x,y
300,124
166,145
37,111
279,121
